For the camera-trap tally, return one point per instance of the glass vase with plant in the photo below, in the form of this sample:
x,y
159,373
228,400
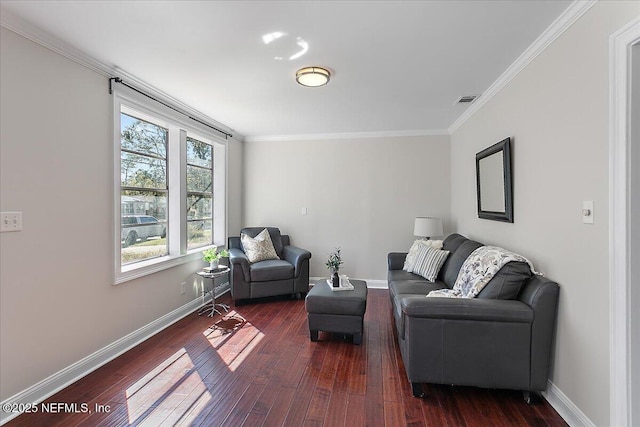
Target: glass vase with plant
x,y
333,264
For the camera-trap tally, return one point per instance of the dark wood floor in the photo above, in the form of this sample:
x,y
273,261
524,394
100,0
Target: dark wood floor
x,y
267,372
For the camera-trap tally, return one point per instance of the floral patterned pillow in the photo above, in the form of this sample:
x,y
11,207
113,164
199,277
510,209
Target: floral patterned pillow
x,y
259,248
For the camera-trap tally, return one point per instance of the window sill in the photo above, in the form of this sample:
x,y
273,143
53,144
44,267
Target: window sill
x,y
155,265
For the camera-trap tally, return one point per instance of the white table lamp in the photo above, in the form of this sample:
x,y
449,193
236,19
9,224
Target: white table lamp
x,y
427,227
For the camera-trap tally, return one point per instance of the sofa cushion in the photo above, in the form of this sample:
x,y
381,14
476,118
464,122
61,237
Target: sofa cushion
x,y
451,244
269,270
507,282
413,287
397,275
258,248
456,259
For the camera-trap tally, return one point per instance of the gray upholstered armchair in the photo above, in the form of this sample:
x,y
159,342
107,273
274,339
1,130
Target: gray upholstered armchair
x,y
287,275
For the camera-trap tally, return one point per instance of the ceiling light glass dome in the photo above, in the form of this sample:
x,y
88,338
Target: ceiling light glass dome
x,y
313,76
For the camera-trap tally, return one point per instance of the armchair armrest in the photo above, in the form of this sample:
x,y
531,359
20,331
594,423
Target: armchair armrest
x,y
472,309
395,260
238,259
295,256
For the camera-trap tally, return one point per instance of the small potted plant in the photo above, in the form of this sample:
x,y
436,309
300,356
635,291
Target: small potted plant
x,y
333,264
212,256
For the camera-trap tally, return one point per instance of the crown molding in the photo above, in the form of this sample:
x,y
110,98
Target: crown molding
x,y
559,26
19,26
29,31
346,135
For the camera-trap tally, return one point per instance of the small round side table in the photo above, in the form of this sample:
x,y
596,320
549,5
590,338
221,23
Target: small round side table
x,y
211,307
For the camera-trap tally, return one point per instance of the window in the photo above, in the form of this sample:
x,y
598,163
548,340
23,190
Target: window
x,y
170,187
143,189
199,193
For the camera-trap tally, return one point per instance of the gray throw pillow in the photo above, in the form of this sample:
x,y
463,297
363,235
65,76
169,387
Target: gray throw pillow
x,y
507,282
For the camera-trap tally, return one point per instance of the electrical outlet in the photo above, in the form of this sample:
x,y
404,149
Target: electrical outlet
x,y
10,221
183,288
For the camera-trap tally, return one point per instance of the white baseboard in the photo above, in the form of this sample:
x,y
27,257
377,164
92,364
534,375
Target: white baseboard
x,y
565,407
371,283
61,379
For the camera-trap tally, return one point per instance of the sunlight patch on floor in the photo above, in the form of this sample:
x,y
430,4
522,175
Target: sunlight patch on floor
x,y
178,388
234,347
179,360
156,395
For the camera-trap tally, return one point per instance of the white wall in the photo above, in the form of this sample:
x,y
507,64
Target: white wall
x,y
234,186
57,301
361,195
556,111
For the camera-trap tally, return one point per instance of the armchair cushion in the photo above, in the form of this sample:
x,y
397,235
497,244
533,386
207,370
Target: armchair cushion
x,y
273,269
258,248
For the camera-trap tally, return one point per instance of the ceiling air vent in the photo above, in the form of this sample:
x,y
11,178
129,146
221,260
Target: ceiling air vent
x,y
466,99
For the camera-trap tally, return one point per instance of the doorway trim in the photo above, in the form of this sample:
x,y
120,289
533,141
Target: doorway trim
x,y
620,44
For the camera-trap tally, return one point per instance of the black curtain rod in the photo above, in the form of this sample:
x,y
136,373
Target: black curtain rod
x,y
119,80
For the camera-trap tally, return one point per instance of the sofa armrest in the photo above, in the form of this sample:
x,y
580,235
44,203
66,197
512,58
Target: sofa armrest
x,y
295,256
470,309
542,295
395,260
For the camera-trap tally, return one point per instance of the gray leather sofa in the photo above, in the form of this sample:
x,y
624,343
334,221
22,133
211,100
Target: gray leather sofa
x,y
500,339
287,275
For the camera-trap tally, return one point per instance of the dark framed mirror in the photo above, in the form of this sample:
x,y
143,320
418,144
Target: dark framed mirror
x,y
494,182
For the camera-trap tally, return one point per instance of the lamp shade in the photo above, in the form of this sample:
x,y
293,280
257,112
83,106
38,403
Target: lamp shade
x,y
426,226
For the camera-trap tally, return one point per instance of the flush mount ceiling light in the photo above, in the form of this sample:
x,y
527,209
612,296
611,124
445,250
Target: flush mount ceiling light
x,y
313,76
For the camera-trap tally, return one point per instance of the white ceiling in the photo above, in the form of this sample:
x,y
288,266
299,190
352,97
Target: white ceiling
x,y
397,66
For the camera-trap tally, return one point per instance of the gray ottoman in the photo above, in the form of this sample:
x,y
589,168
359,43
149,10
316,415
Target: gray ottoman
x,y
337,311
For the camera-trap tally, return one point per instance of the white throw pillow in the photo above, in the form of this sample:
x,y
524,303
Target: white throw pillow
x,y
429,261
258,248
410,260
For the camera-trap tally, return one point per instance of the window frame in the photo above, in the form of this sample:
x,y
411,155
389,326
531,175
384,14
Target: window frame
x,y
179,126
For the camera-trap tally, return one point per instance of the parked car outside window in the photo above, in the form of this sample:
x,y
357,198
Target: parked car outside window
x,y
141,227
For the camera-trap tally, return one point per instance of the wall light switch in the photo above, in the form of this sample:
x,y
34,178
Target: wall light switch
x,y
587,211
10,221
303,211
